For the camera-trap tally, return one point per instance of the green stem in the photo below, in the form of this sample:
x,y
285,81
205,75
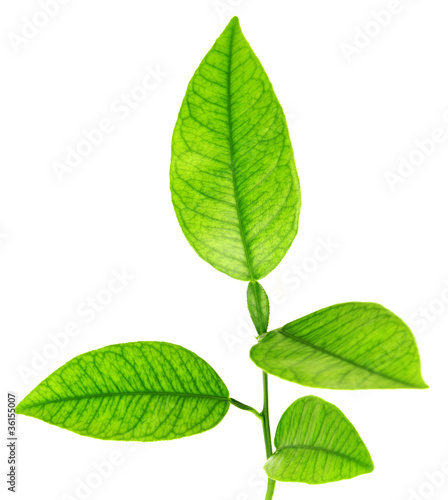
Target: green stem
x,y
261,328
270,490
267,432
265,417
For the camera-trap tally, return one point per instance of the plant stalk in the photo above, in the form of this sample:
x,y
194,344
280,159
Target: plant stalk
x,y
267,432
264,415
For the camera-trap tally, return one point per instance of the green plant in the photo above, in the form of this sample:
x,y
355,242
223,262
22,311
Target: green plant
x,y
236,194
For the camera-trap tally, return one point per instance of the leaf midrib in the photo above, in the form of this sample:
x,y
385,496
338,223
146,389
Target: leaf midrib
x,y
324,450
232,161
130,393
341,358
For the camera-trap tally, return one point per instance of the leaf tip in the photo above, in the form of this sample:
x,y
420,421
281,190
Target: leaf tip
x,y
419,383
370,465
234,21
423,385
233,25
20,410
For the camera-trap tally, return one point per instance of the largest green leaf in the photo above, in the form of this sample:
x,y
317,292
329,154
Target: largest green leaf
x,y
356,345
140,391
317,444
234,183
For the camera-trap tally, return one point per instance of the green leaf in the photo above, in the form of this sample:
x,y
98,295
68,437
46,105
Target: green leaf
x,y
233,178
140,391
317,444
356,345
258,305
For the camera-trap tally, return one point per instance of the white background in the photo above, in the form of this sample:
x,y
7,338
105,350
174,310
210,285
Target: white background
x,y
60,241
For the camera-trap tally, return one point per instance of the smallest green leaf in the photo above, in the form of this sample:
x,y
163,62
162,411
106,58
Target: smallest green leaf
x,y
317,444
258,305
